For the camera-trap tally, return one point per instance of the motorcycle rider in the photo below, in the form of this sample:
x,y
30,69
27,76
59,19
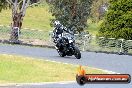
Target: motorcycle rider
x,y
58,30
64,42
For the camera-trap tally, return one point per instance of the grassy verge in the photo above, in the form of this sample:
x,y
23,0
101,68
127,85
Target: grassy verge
x,y
19,69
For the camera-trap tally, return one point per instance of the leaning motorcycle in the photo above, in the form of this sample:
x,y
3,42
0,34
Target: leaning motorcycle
x,y
65,45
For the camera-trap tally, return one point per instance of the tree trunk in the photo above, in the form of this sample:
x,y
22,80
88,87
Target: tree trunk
x,y
74,9
18,12
16,26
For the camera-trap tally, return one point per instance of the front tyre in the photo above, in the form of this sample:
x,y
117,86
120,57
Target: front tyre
x,y
62,54
77,53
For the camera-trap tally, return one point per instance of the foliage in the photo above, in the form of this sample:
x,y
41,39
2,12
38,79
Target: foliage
x,y
71,13
3,4
118,20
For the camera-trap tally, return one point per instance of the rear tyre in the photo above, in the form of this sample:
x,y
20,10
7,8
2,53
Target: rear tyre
x,y
77,53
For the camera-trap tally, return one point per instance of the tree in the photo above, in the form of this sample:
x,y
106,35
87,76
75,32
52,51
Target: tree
x,y
3,4
18,12
71,13
118,20
98,9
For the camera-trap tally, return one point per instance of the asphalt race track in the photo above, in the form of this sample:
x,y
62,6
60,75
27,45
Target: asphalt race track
x,y
116,63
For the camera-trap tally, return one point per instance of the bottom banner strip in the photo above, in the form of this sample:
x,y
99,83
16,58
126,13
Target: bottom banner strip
x,y
103,78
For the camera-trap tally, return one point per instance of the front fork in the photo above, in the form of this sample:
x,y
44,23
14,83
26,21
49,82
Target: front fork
x,y
71,48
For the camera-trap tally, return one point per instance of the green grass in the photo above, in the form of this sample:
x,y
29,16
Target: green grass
x,y
19,69
93,27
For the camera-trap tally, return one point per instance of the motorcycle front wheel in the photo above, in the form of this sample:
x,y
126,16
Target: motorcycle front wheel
x,y
77,53
62,54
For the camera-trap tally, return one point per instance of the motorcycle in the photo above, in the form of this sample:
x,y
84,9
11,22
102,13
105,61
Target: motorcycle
x,y
65,44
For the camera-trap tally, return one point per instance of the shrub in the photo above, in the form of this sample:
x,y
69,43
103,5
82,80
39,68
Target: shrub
x,y
118,20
